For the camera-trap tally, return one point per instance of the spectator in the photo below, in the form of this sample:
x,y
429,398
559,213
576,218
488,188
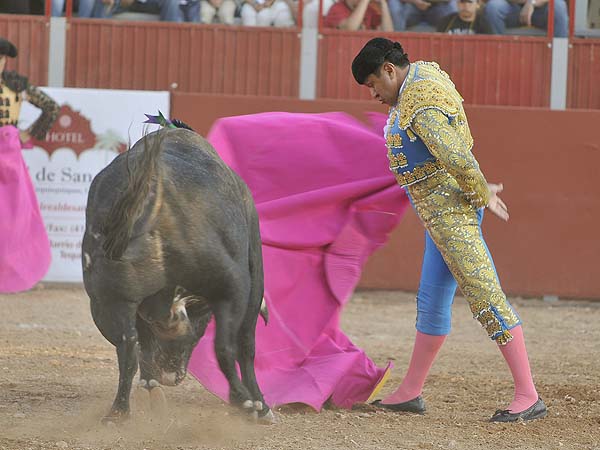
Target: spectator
x,y
408,13
266,13
360,15
83,7
93,8
310,12
293,4
467,20
168,10
503,13
223,10
58,7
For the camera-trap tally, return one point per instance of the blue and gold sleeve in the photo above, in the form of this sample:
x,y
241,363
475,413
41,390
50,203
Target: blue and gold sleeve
x,y
453,151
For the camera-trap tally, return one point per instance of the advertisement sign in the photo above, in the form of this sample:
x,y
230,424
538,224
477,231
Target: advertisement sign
x,y
92,128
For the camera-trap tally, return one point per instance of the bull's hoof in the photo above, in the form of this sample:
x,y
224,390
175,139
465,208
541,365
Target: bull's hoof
x,y
114,418
267,419
258,412
158,402
258,406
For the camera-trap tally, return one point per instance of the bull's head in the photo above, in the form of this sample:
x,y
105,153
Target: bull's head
x,y
166,345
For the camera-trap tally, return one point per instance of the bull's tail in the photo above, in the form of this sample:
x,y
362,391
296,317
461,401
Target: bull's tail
x,y
257,290
127,209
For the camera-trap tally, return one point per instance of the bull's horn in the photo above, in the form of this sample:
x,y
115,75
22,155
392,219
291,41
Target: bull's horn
x,y
264,312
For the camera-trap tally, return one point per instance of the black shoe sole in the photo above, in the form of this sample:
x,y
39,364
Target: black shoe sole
x,y
537,411
416,406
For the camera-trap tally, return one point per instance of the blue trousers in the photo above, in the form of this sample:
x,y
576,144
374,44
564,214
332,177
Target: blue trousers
x,y
170,10
501,14
407,15
85,8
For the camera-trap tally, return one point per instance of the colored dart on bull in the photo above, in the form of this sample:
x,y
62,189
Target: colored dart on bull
x,y
159,120
164,122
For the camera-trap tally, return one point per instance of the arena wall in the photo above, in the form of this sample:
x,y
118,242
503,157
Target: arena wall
x,y
548,163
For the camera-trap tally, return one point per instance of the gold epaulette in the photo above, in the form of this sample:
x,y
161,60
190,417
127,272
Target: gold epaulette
x,y
432,89
10,105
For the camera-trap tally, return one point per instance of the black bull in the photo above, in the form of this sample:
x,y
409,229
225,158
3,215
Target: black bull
x,y
171,239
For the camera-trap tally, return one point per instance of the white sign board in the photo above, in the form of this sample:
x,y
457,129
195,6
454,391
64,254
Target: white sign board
x,y
92,128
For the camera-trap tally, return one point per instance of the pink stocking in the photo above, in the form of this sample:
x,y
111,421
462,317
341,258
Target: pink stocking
x,y
515,355
424,352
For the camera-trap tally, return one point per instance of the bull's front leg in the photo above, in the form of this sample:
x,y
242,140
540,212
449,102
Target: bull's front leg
x,y
126,343
149,396
227,325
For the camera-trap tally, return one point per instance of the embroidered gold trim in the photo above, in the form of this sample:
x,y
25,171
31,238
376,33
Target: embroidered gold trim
x,y
504,338
10,105
397,160
393,140
418,173
433,89
451,143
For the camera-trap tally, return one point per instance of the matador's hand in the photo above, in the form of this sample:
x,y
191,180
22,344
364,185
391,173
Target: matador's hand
x,y
496,205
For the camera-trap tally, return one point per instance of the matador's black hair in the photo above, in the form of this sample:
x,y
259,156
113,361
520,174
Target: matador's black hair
x,y
7,48
372,56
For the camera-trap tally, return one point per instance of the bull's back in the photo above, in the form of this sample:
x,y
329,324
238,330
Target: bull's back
x,y
207,209
188,166
196,209
202,187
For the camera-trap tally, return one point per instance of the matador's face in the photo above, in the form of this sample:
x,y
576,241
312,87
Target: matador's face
x,y
384,85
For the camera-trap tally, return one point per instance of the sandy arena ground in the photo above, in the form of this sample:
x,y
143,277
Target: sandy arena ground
x,y
58,376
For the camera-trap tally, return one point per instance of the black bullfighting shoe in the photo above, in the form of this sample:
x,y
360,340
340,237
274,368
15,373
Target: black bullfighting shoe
x,y
536,411
416,405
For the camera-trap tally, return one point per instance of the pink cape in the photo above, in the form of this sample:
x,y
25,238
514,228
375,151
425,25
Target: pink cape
x,y
326,201
24,245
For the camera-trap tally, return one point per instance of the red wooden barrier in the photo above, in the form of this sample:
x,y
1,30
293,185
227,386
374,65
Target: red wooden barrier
x,y
487,70
584,74
31,36
550,244
216,59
